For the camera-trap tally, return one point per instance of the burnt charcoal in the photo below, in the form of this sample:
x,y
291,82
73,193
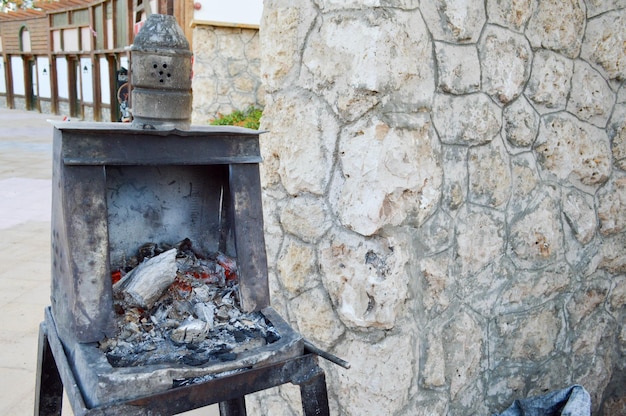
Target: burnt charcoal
x,y
226,356
130,263
181,382
196,360
202,356
147,251
184,247
240,336
115,360
197,319
272,336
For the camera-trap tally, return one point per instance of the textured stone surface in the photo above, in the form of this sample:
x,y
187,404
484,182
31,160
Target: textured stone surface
x,y
533,288
304,158
513,14
557,25
226,71
591,98
455,181
284,27
505,59
458,68
604,44
374,298
536,235
351,78
531,336
388,175
524,183
466,120
549,83
612,206
489,175
454,20
462,355
307,217
580,214
296,266
436,286
377,363
326,328
521,123
476,251
453,224
617,133
573,151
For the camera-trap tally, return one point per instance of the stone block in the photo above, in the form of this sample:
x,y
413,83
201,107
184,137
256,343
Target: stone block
x,y
479,240
536,237
357,274
549,83
521,123
296,267
557,25
573,152
591,98
603,44
505,59
306,216
455,21
389,175
466,120
513,14
304,156
377,363
489,174
525,337
458,68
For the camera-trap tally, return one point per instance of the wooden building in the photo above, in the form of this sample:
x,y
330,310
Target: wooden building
x,y
70,57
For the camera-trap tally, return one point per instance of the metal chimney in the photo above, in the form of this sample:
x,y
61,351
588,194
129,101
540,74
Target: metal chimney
x,y
161,75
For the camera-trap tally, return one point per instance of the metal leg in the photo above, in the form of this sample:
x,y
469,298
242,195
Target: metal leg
x,y
49,389
233,407
314,396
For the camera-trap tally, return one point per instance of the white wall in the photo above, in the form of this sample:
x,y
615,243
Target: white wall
x,y
233,11
3,81
17,72
25,40
86,71
105,84
43,77
62,80
70,40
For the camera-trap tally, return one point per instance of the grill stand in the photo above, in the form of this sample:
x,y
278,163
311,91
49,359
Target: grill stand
x,y
55,374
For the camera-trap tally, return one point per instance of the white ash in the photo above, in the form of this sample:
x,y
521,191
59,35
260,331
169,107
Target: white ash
x,y
194,319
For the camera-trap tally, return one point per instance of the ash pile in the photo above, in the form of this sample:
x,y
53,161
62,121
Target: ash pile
x,y
176,306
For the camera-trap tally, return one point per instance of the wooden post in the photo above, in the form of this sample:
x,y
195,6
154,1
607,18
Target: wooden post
x,y
166,7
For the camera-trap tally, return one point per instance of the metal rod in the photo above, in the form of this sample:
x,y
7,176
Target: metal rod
x,y
326,355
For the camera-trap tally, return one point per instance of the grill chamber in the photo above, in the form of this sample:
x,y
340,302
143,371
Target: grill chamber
x,y
116,187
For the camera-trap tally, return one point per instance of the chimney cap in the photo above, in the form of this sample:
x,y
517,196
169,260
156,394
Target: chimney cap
x,y
161,32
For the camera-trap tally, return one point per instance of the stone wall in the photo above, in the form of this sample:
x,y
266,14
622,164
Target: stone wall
x,y
445,198
226,69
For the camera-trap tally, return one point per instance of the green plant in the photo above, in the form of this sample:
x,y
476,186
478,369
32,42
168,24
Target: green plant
x,y
250,118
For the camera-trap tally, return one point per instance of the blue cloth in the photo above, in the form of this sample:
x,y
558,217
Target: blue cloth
x,y
572,401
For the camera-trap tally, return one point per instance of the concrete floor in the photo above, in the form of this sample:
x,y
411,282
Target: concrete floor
x,y
25,198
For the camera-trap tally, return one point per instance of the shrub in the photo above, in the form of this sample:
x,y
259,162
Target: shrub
x,y
249,118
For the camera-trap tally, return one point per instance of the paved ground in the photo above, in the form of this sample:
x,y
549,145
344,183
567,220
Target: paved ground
x,y
25,184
